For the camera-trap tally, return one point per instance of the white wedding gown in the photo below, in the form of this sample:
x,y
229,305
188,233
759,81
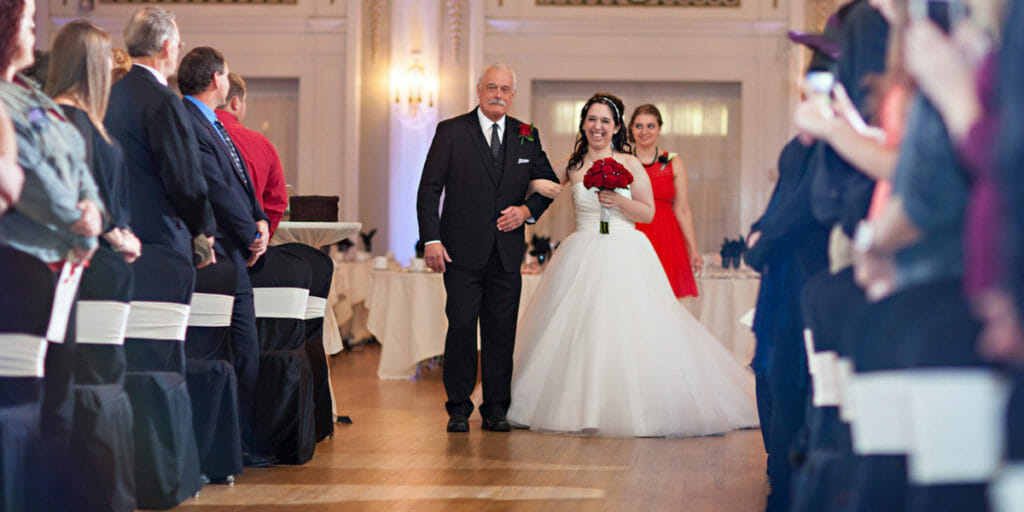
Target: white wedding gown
x,y
605,349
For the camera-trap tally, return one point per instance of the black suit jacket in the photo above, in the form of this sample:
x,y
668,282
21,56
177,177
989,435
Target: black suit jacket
x,y
168,200
234,202
459,163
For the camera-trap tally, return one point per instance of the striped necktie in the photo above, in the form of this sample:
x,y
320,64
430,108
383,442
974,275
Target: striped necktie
x,y
234,152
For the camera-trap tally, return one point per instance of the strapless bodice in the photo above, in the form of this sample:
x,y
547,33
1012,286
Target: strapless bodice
x,y
588,211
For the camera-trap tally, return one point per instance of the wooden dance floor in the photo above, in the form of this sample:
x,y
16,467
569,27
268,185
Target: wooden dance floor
x,y
396,456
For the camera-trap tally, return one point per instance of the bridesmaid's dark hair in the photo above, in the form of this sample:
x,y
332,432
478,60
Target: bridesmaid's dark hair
x,y
648,109
618,139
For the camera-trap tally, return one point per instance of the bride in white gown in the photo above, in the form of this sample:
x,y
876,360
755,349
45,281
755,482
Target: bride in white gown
x,y
604,348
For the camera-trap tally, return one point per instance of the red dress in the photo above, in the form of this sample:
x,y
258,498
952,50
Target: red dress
x,y
665,233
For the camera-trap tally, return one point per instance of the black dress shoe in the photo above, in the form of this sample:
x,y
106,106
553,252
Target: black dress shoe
x,y
254,460
227,480
458,424
496,425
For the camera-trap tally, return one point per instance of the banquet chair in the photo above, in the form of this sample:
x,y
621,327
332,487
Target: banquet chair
x,y
25,305
283,409
102,443
211,379
322,273
166,457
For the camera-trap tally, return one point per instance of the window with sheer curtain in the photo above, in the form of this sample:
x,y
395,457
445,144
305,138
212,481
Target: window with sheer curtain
x,y
701,125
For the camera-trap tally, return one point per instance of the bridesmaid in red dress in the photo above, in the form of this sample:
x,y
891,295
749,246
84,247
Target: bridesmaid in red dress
x,y
671,232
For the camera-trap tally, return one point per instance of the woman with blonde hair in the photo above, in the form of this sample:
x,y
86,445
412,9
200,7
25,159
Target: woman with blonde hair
x,y
79,81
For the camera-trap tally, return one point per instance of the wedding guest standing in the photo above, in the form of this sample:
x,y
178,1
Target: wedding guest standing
x,y
482,161
57,219
259,154
79,81
242,228
168,203
671,232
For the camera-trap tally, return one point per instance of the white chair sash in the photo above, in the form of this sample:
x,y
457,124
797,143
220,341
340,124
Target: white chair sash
x,y
101,322
958,425
280,302
883,418
157,320
22,355
210,310
1006,491
315,307
844,385
821,366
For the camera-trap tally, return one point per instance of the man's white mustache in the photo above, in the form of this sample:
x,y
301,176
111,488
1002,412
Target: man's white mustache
x,y
496,102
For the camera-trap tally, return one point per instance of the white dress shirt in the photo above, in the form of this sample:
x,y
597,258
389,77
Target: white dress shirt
x,y
485,125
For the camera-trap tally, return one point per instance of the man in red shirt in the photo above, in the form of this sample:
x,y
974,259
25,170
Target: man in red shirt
x,y
259,154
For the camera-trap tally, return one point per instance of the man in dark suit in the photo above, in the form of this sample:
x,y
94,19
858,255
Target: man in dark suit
x,y
242,226
483,162
168,199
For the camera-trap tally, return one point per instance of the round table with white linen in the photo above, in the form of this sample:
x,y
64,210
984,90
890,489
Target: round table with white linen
x,y
724,307
315,234
407,317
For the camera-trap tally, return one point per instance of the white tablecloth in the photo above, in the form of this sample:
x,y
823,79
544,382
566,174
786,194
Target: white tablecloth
x,y
407,317
348,296
723,301
316,234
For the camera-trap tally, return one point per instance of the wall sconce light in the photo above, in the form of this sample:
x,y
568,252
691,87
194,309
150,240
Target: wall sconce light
x,y
413,93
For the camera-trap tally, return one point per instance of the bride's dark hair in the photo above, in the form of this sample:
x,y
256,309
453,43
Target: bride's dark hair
x,y
618,138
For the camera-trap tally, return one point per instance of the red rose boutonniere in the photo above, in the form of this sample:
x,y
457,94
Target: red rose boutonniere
x,y
607,174
525,133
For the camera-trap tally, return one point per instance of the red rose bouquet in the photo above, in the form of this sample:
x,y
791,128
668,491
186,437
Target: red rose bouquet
x,y
607,174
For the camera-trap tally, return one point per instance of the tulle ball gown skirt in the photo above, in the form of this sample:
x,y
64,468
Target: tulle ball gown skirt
x,y
604,349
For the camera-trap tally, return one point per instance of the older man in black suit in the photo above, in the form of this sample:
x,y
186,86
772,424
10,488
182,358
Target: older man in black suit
x,y
168,200
242,226
483,161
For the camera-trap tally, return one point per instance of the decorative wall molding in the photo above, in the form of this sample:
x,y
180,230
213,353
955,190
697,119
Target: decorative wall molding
x,y
642,3
455,10
194,2
376,26
673,27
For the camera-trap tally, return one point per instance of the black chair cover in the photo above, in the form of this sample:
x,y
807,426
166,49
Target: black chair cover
x,y
108,278
102,446
166,457
283,412
25,305
281,270
322,273
102,478
214,393
162,276
212,384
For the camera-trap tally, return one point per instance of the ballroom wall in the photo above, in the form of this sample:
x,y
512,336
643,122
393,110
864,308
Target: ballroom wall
x,y
342,52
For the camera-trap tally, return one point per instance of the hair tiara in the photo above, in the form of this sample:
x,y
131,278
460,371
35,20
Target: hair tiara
x,y
608,101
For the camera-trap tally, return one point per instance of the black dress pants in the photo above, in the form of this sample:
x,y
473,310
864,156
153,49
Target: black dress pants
x,y
489,295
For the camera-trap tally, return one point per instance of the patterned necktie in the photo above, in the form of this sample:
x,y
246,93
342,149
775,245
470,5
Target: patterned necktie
x,y
495,141
233,150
